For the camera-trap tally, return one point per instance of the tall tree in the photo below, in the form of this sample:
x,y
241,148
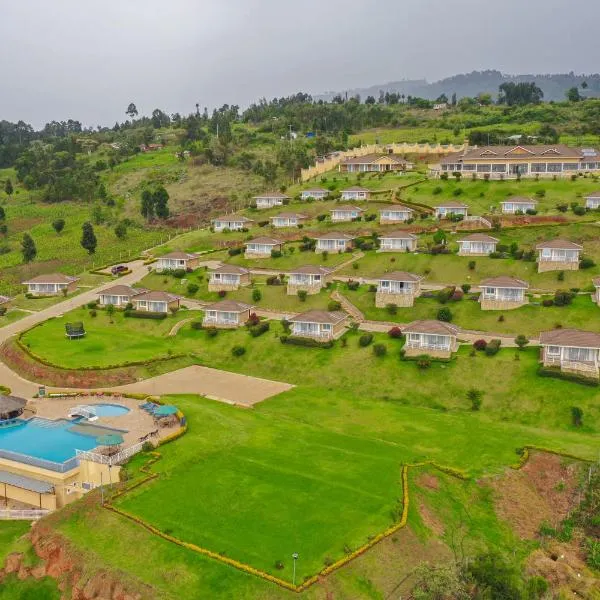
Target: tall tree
x,y
161,199
573,94
28,248
88,238
132,110
121,230
8,187
147,206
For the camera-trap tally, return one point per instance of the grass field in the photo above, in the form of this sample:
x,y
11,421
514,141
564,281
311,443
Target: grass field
x,y
513,390
528,320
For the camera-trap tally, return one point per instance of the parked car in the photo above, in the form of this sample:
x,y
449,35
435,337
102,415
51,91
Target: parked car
x,y
118,269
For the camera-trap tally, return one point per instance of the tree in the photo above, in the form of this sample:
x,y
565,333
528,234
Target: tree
x,y
88,238
110,311
160,198
577,416
439,237
147,206
573,94
58,225
521,341
8,187
442,99
438,583
121,230
132,110
474,396
28,248
2,214
519,94
453,101
444,314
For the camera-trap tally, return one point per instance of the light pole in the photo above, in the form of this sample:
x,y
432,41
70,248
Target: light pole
x,y
295,557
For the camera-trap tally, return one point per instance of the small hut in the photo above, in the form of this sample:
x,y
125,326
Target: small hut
x,y
11,407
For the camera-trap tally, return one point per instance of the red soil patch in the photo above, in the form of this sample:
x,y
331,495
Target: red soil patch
x,y
544,490
428,481
431,521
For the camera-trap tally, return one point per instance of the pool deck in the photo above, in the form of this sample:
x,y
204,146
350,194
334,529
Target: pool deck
x,y
136,422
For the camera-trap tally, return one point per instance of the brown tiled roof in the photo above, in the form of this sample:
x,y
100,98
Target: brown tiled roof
x,y
319,316
400,276
334,236
433,327
541,151
52,278
179,255
231,270
316,189
451,204
310,270
478,237
229,306
519,200
234,218
121,290
397,208
267,241
289,215
156,296
398,235
278,195
570,337
347,209
503,281
370,158
356,188
594,194
559,244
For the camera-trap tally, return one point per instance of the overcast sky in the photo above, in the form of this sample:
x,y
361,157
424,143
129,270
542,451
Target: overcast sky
x,y
87,59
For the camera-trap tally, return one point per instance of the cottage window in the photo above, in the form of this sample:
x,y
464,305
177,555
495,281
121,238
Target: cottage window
x,y
553,350
467,167
484,168
580,354
538,167
499,168
570,166
555,167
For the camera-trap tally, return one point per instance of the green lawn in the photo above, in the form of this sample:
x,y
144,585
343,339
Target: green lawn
x,y
528,320
451,269
273,297
12,315
513,391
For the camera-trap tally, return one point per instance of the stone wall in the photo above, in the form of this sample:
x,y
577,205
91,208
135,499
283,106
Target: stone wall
x,y
487,304
293,289
382,299
548,265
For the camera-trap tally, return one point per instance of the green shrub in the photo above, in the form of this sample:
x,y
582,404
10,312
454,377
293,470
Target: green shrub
x,y
576,416
334,305
556,373
234,251
465,287
137,314
302,295
493,347
196,325
563,298
256,295
474,396
423,361
586,263
192,288
93,313
276,254
379,349
391,308
521,341
472,265
92,304
444,314
212,332
352,285
365,339
307,342
238,351
258,330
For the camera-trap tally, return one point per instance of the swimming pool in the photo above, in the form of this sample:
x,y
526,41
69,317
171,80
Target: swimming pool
x,y
45,439
109,410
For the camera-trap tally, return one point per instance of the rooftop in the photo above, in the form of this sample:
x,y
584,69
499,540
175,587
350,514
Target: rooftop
x,y
400,276
310,270
121,290
156,296
267,241
10,404
52,278
432,327
478,237
26,483
570,337
559,245
179,255
319,316
231,270
541,151
229,306
503,281
371,158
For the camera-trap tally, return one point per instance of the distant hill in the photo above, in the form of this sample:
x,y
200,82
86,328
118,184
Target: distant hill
x,y
554,86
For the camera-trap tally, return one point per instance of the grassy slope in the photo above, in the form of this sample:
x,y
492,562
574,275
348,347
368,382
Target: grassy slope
x,y
528,320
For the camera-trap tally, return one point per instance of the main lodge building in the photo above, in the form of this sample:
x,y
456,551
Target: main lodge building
x,y
504,162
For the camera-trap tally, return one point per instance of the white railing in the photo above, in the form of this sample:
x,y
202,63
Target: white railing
x,y
391,291
213,321
114,459
22,515
422,346
313,334
89,412
554,258
475,219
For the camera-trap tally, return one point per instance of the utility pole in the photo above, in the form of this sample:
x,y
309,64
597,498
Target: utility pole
x,y
295,557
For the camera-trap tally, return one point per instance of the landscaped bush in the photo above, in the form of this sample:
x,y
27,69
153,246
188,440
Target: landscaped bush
x,y
391,308
302,295
212,332
480,345
137,314
234,251
222,293
92,304
579,210
465,287
93,313
457,295
423,361
531,211
547,302
276,254
474,396
379,349
372,288
302,341
576,416
586,263
563,298
352,285
238,351
253,319
178,273
444,295
395,332
562,207
444,314
365,339
574,377
192,288
321,217
258,330
196,325
334,305
274,280
256,295
493,347
472,265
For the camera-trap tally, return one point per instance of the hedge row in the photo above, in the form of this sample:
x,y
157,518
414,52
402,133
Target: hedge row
x,y
558,374
145,314
306,342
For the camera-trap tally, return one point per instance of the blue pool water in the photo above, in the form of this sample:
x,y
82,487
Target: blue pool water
x,y
110,410
45,439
